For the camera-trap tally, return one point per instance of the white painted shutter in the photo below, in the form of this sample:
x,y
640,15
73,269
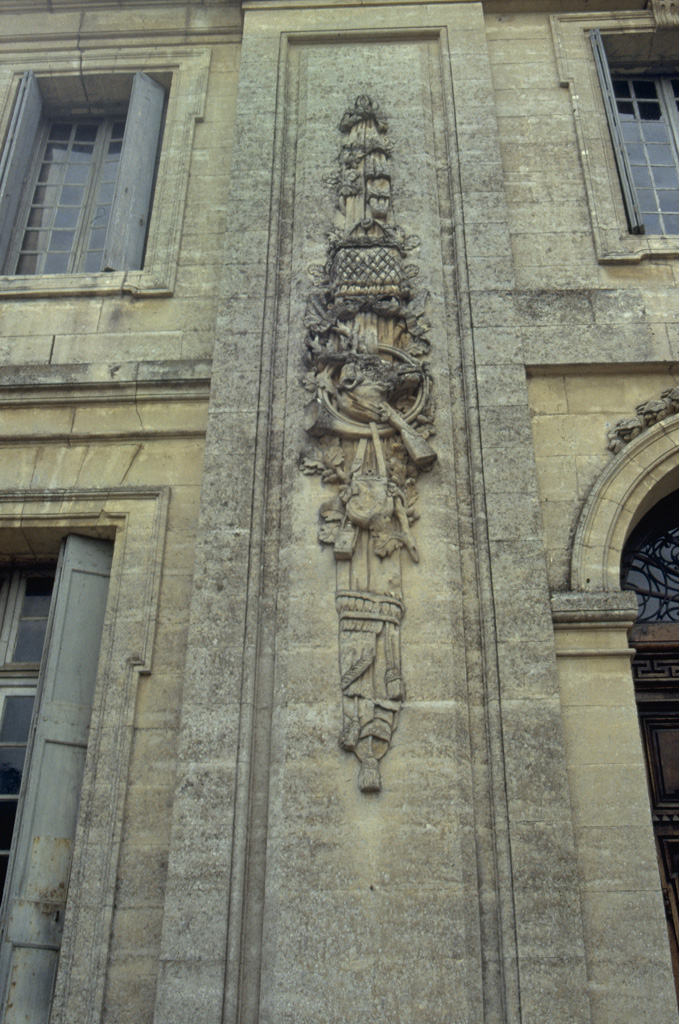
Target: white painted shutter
x,y
629,192
17,157
132,197
37,885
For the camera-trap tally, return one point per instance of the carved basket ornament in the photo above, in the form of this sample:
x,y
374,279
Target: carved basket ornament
x,y
371,414
368,270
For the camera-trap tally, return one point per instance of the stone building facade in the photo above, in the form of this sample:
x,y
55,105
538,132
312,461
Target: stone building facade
x,y
337,427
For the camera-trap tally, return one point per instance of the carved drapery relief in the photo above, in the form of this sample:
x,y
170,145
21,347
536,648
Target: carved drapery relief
x,y
647,414
371,413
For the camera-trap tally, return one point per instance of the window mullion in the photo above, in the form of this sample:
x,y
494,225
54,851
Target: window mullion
x,y
11,617
5,588
19,591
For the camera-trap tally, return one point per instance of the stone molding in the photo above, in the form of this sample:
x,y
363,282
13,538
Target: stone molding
x,y
105,379
102,413
646,470
593,625
136,519
570,607
665,13
27,6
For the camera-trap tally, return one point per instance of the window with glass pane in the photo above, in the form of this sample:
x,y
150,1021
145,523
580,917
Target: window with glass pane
x,y
650,563
25,598
649,122
76,192
32,619
15,723
70,202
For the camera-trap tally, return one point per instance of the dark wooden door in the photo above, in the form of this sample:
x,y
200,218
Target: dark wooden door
x,y
655,668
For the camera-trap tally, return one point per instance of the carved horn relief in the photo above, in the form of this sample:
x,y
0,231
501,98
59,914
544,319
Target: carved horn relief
x,y
372,415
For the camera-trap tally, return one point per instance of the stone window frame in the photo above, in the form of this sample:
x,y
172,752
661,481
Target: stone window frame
x,y
635,35
186,70
36,890
32,524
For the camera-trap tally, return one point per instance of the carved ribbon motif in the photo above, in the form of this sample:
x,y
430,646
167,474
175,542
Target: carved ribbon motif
x,y
372,414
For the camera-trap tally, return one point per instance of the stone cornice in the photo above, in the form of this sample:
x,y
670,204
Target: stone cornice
x,y
588,608
182,375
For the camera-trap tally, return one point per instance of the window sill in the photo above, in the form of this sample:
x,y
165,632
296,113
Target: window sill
x,y
634,248
119,282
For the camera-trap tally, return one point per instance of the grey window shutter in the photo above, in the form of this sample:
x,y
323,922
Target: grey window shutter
x,y
16,158
132,197
629,192
37,883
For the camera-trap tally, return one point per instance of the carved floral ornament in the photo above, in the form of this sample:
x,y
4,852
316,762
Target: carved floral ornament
x,y
647,414
371,415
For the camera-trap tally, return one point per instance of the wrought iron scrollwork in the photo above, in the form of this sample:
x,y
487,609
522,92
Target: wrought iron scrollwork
x,y
650,563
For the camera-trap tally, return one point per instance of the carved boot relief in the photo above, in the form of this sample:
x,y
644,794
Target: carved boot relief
x,y
371,413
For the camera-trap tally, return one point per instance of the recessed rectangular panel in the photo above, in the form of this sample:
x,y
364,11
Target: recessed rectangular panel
x,y
667,740
30,986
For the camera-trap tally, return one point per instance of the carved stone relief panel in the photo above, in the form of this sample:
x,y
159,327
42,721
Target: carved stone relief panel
x,y
371,416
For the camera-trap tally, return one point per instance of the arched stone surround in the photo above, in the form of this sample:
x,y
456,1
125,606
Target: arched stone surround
x,y
645,471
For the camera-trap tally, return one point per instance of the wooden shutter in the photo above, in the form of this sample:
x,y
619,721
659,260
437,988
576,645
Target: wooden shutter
x,y
126,233
629,192
16,158
37,883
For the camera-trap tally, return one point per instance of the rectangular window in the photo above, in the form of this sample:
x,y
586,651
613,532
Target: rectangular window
x,y
15,721
69,205
51,624
75,193
25,598
649,122
643,120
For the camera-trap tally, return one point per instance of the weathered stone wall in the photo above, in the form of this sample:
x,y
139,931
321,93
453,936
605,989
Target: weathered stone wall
x,y
592,332
103,399
90,481
485,774
227,866
198,46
